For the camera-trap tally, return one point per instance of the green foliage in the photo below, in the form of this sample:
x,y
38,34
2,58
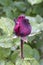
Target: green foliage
x,y
28,52
34,2
3,62
36,54
22,62
10,44
6,25
41,62
4,53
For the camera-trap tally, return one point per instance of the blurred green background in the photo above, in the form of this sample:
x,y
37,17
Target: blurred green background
x,y
9,46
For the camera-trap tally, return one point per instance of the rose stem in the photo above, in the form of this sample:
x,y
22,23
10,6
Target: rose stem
x,y
22,49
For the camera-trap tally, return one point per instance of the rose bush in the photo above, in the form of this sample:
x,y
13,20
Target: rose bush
x,y
31,22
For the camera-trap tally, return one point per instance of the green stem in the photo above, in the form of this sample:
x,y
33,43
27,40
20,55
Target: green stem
x,y
22,49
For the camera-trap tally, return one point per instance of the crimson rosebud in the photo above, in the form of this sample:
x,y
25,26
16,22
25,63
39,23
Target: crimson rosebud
x,y
22,26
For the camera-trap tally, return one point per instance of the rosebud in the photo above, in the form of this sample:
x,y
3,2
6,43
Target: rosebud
x,y
22,26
